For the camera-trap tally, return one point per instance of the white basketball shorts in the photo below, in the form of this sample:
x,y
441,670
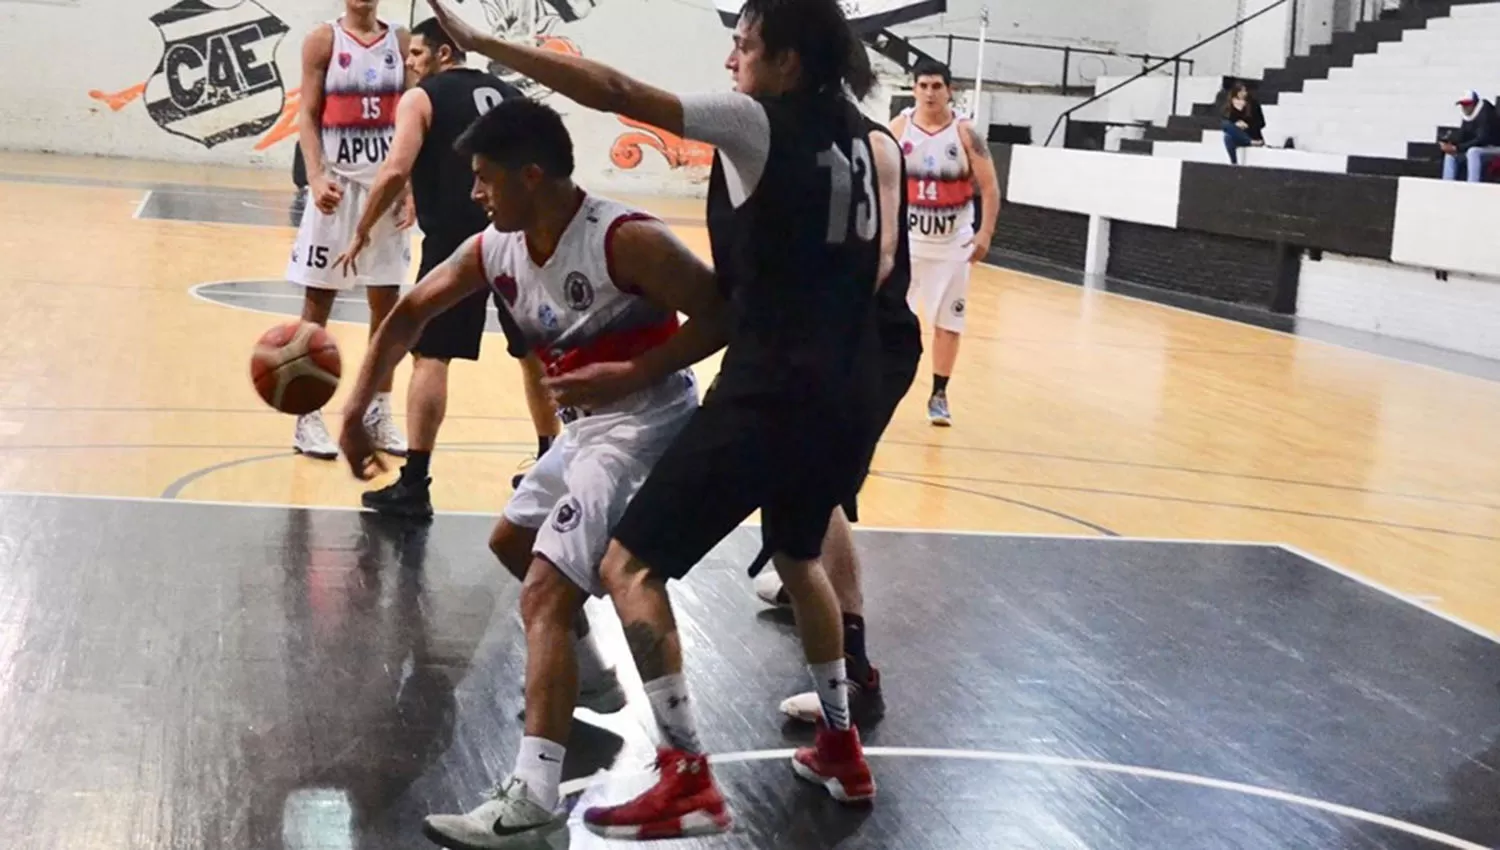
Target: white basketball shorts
x,y
321,238
939,287
579,489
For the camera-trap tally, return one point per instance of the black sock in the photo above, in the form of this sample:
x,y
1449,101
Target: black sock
x,y
542,445
854,647
939,384
416,465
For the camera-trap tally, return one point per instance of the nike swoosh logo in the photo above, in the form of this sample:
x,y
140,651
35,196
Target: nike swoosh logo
x,y
504,831
544,758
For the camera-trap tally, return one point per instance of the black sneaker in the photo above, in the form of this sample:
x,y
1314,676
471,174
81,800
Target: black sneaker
x,y
404,498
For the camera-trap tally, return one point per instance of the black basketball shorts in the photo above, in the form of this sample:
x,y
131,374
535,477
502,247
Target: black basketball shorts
x,y
734,457
898,371
456,333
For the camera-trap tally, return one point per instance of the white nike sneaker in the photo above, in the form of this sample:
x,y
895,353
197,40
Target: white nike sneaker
x,y
768,587
381,424
312,437
510,818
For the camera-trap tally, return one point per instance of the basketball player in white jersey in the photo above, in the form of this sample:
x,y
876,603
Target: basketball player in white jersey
x,y
353,74
945,160
583,280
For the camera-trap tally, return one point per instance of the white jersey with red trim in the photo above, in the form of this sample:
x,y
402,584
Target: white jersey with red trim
x,y
939,189
360,92
571,311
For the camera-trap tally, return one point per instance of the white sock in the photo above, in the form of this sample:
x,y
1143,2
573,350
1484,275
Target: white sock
x,y
591,666
540,764
674,714
831,680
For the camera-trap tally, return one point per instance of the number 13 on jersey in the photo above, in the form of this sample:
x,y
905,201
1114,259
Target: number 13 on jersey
x,y
842,197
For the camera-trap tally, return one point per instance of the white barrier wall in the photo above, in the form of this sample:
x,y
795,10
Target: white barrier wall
x,y
77,77
1461,313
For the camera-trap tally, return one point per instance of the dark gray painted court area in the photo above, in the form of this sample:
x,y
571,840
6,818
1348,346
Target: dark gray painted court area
x,y
178,675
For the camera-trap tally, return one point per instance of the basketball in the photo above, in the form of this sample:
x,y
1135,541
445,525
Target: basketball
x,y
296,367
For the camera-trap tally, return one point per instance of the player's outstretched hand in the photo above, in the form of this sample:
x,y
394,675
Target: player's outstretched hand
x,y
358,449
594,385
463,35
349,260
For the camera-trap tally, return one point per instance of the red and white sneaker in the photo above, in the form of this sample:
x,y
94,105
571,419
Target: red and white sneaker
x,y
683,802
836,761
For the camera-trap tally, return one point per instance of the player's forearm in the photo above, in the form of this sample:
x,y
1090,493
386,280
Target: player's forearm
x,y
589,83
384,193
538,400
698,338
989,194
310,138
391,342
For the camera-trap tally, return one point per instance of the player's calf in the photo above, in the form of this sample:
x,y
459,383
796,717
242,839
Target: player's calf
x,y
685,800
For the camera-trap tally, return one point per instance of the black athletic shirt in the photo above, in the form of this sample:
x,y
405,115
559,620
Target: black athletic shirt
x,y
900,330
441,179
794,227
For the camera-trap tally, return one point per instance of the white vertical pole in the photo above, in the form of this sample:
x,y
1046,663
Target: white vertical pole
x,y
984,25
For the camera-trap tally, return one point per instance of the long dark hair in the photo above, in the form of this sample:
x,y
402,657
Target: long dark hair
x,y
1234,92
816,30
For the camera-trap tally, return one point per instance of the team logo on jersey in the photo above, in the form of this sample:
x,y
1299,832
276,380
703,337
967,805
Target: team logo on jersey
x,y
548,317
958,307
930,161
907,147
578,291
217,79
371,75
567,515
346,59
505,286
953,151
390,59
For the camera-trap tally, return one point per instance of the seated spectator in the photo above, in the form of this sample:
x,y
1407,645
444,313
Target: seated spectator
x,y
1477,140
1244,123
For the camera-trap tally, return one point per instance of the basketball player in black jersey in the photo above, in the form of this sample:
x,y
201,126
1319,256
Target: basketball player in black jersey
x,y
801,239
446,100
900,334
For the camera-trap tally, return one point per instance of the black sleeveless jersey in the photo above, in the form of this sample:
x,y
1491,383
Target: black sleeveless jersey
x,y
900,330
442,179
799,256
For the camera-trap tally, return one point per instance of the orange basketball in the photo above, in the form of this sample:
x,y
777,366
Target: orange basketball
x,y
296,367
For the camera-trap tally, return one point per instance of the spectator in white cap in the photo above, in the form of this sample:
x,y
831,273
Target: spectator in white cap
x,y
1476,141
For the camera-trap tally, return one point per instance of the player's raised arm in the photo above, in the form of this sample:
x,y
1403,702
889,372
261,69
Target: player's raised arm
x,y
591,84
445,286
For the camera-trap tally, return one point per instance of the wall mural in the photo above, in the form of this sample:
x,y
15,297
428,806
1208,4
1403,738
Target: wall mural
x,y
218,80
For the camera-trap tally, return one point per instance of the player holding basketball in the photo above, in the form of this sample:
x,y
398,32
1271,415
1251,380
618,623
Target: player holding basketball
x,y
353,74
801,238
446,100
945,159
582,280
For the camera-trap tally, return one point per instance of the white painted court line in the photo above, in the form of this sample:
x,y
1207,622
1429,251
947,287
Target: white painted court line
x,y
141,207
1375,585
1057,762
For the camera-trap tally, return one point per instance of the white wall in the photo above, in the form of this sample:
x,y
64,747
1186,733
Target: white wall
x,y
1461,313
68,76
1447,225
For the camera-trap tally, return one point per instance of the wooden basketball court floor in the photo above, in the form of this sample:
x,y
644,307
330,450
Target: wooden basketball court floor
x,y
1169,581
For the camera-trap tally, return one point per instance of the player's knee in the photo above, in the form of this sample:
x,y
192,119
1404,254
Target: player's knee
x,y
547,598
798,575
512,545
620,571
